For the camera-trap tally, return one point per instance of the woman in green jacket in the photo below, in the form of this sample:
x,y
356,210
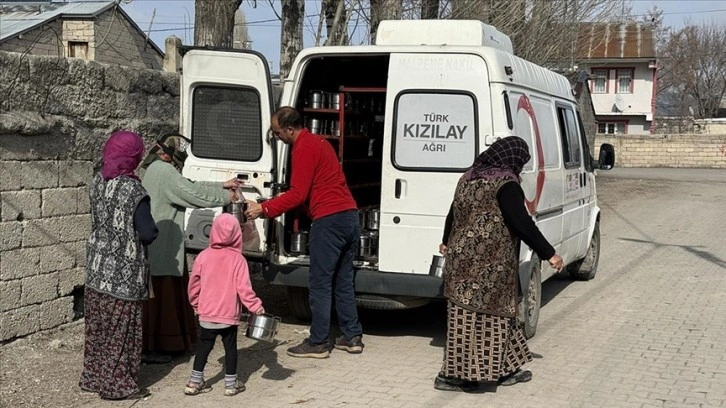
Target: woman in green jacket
x,y
169,322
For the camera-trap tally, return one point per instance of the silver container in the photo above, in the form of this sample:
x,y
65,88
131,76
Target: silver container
x,y
238,210
364,245
262,327
316,99
335,128
373,219
362,219
334,101
314,126
299,242
437,266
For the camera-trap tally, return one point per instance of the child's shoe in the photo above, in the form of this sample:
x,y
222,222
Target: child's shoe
x,y
235,389
193,388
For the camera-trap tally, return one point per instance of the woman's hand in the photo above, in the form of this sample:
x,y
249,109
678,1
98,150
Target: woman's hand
x,y
557,263
442,249
232,184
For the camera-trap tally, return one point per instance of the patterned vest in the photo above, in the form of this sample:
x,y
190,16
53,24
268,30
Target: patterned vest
x,y
116,259
480,272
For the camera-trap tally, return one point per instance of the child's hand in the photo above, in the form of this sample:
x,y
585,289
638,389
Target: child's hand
x,y
261,311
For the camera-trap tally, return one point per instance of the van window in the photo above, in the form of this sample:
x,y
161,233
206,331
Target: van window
x,y
570,137
434,131
547,126
226,123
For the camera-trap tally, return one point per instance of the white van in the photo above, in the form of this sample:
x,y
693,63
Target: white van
x,y
407,117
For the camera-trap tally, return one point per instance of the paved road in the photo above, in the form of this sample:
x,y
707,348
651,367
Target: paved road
x,y
648,331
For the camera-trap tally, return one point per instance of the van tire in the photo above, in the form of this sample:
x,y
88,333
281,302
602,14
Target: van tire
x,y
585,268
299,300
532,299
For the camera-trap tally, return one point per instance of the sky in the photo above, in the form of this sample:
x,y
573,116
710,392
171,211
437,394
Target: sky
x,y
170,17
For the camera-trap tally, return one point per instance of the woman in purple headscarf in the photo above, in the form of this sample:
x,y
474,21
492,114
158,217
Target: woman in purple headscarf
x,y
117,272
481,239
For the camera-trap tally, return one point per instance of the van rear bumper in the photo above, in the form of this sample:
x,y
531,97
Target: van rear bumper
x,y
366,281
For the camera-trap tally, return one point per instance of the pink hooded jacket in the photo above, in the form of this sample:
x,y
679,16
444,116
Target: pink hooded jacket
x,y
220,278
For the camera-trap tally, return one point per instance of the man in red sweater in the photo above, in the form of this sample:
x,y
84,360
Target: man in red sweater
x,y
319,182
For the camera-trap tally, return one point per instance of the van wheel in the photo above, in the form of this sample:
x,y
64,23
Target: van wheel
x,y
585,268
531,301
299,300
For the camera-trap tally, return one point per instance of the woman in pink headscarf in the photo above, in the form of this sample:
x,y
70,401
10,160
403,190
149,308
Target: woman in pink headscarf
x,y
117,272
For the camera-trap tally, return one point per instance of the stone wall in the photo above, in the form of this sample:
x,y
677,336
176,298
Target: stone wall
x,y
44,40
679,150
55,115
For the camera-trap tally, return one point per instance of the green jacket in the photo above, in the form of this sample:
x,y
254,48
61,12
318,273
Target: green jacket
x,y
171,193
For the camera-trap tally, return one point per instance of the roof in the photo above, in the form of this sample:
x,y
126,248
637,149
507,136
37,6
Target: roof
x,y
20,17
615,41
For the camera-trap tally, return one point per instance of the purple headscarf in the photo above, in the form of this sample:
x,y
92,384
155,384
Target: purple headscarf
x,y
122,154
504,158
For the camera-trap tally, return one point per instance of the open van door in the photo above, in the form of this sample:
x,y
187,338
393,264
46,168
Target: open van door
x,y
434,120
226,104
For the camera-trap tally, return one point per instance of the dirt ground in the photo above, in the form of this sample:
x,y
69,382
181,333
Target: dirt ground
x,y
42,370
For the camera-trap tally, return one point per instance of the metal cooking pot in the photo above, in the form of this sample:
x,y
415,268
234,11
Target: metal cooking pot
x,y
373,219
262,327
364,245
316,100
238,210
437,266
299,242
314,126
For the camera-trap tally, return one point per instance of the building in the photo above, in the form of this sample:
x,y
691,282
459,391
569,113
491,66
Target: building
x,y
621,61
93,30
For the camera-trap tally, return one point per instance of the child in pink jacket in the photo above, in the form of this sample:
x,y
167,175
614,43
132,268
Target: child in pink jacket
x,y
218,286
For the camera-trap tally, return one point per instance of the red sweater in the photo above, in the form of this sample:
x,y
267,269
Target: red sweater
x,y
317,180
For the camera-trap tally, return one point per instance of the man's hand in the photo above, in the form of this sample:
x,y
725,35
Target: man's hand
x,y
442,249
233,183
556,262
254,210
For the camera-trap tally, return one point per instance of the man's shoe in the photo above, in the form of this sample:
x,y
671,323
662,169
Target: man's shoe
x,y
309,350
354,345
516,377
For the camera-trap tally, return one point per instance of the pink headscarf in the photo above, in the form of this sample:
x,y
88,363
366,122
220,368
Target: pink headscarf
x,y
122,154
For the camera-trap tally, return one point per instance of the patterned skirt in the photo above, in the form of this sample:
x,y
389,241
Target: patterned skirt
x,y
482,347
112,349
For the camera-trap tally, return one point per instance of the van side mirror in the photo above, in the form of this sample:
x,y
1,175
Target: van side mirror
x,y
606,161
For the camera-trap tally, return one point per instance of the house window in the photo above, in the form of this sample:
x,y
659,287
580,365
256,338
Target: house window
x,y
600,81
613,128
625,80
78,49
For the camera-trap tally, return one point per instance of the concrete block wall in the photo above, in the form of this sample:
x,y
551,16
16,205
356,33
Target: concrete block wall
x,y
677,150
57,114
79,31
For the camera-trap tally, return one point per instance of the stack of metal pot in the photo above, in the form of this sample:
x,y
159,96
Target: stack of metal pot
x,y
369,225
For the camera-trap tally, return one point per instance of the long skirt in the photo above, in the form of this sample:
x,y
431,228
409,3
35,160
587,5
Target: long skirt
x,y
112,349
481,346
170,326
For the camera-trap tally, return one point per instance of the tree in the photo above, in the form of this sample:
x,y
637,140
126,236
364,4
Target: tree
x,y
240,37
291,33
214,22
383,10
693,70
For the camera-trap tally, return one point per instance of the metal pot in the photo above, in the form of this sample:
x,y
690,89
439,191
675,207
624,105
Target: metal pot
x,y
373,219
335,131
238,210
299,242
316,100
334,101
364,245
314,126
362,219
262,327
437,266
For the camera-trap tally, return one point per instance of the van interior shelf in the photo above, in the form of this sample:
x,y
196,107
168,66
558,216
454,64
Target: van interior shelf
x,y
361,89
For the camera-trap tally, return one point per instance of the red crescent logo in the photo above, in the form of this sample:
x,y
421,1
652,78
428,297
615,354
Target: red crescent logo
x,y
527,106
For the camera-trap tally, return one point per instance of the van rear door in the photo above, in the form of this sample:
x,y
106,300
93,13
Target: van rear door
x,y
226,104
438,106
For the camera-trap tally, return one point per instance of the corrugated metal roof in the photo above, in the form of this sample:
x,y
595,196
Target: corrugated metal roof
x,y
17,18
615,40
